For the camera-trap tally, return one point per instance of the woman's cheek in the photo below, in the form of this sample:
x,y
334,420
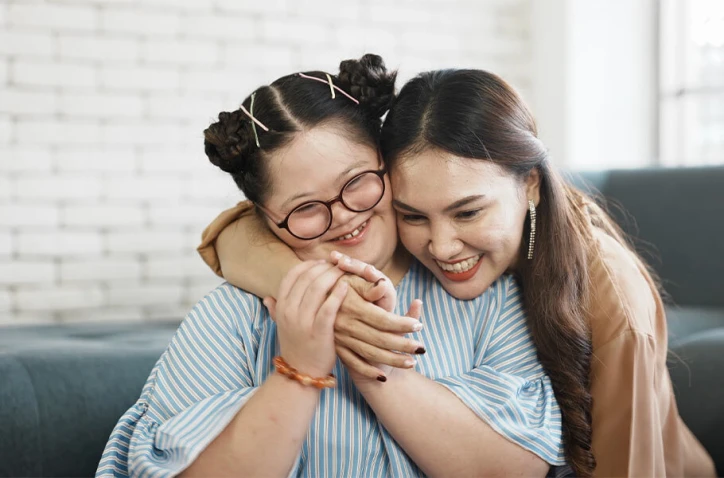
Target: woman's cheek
x,y
412,238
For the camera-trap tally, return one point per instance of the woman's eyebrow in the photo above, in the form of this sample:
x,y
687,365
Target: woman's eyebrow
x,y
464,202
407,207
457,204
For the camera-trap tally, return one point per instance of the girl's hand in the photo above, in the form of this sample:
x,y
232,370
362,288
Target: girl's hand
x,y
381,291
307,305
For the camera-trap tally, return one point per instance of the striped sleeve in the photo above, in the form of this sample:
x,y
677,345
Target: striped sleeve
x,y
196,389
507,388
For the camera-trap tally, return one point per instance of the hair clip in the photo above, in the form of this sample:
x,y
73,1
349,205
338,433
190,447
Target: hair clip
x,y
332,86
254,120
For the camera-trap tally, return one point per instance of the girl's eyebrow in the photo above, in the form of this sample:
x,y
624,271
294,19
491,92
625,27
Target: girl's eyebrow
x,y
344,173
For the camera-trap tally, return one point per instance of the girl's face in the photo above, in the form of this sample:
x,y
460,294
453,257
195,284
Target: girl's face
x,y
462,218
315,166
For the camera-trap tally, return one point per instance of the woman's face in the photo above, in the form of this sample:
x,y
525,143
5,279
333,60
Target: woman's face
x,y
462,218
315,166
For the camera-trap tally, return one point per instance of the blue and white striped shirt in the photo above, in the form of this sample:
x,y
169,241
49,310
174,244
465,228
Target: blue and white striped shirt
x,y
479,349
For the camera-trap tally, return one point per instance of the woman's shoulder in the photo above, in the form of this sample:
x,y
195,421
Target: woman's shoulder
x,y
623,298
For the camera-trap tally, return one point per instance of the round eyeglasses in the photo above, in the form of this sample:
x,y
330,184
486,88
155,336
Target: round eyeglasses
x,y
312,219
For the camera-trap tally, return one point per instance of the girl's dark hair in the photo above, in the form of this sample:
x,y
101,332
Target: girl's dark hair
x,y
293,104
475,114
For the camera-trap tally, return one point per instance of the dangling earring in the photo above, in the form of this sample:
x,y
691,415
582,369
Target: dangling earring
x,y
531,240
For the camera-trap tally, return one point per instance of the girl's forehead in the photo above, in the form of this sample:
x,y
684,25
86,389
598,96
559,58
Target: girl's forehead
x,y
314,163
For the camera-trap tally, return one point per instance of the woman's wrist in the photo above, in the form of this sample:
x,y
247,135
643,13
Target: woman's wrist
x,y
393,377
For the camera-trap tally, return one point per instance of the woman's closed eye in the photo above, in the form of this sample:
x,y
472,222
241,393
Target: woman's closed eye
x,y
471,214
413,218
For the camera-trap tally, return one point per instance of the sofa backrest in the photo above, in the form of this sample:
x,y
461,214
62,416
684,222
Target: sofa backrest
x,y
676,216
62,390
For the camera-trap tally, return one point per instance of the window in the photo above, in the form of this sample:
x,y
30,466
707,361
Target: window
x,y
691,82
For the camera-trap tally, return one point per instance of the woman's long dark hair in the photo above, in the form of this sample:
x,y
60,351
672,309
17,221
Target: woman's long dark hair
x,y
475,114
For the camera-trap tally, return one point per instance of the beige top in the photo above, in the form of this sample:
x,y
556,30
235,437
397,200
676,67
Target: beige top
x,y
637,430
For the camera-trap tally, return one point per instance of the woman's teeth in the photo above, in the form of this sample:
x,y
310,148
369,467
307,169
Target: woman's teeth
x,y
352,234
461,266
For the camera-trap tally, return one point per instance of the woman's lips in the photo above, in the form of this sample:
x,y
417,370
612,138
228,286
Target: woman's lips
x,y
460,276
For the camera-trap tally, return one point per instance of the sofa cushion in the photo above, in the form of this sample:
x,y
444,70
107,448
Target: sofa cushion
x,y
696,364
64,389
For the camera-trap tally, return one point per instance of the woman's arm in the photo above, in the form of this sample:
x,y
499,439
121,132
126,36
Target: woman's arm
x,y
628,430
443,435
252,258
634,409
498,419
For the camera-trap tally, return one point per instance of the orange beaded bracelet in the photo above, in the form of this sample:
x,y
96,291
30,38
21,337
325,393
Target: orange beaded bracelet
x,y
290,372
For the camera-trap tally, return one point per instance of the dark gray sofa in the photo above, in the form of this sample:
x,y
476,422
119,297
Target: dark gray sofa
x,y
63,388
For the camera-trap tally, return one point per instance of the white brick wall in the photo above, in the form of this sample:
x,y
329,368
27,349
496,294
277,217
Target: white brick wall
x,y
104,187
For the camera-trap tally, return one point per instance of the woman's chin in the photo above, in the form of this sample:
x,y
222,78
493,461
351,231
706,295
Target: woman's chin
x,y
464,289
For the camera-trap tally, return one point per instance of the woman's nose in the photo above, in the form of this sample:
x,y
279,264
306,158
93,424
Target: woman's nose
x,y
444,243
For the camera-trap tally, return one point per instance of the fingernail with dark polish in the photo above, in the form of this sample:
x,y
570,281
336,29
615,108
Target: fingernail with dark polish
x,y
381,378
420,350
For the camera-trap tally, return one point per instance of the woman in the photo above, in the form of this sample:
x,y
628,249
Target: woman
x,y
477,197
477,403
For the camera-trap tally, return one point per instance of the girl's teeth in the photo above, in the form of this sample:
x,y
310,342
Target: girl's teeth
x,y
352,234
459,266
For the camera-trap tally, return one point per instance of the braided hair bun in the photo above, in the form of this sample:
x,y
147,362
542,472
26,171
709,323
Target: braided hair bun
x,y
368,80
228,142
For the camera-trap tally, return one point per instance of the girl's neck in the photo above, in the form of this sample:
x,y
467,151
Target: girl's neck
x,y
398,265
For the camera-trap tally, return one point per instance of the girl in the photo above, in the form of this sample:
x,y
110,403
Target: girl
x,y
244,390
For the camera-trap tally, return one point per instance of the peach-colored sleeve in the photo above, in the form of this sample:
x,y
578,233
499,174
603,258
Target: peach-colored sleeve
x,y
627,430
207,248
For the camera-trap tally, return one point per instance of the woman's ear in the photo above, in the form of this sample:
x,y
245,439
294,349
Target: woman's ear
x,y
532,186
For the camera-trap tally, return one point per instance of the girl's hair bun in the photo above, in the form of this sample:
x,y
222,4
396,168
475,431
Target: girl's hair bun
x,y
368,80
228,141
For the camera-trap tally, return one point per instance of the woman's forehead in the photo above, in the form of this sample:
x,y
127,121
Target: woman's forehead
x,y
433,178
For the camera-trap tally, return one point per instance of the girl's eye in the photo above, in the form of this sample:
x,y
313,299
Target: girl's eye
x,y
468,214
305,209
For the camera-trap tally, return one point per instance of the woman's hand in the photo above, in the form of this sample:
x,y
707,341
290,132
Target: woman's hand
x,y
362,370
307,305
369,336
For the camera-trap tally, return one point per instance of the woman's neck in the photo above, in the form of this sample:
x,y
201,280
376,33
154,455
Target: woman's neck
x,y
398,265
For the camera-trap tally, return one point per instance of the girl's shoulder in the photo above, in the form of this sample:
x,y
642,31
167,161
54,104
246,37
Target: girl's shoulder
x,y
229,308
